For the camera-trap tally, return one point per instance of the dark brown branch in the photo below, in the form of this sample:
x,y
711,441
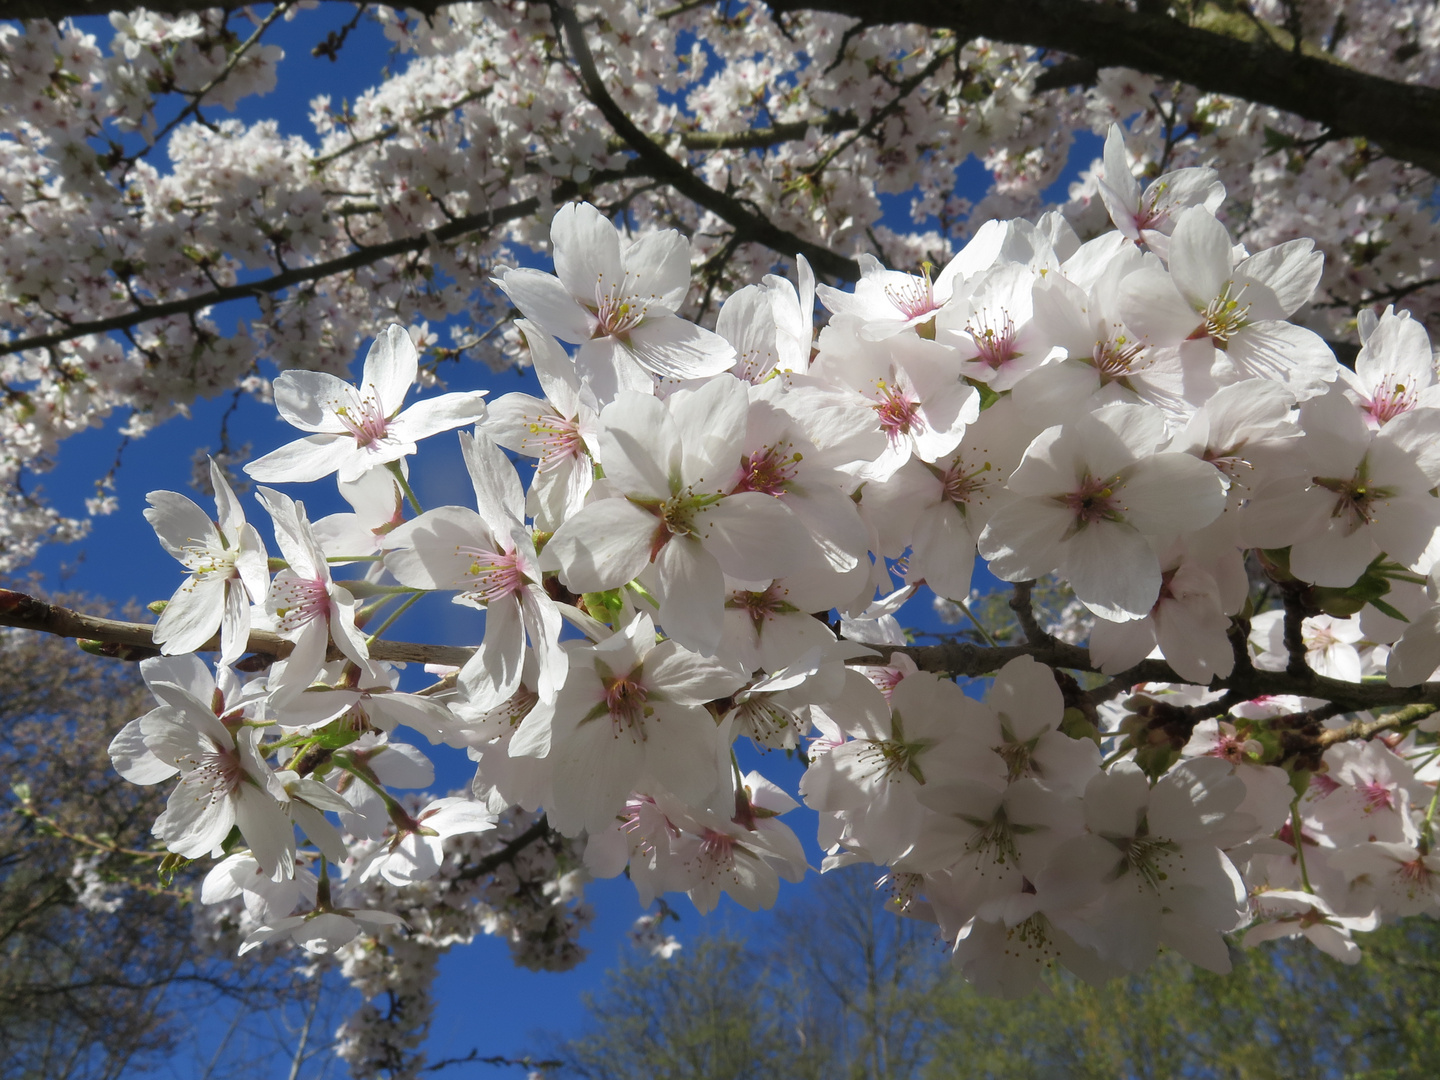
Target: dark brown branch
x,y
1222,52
492,862
748,225
27,613
973,661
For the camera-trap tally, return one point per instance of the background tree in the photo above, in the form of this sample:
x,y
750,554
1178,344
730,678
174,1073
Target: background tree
x,y
99,971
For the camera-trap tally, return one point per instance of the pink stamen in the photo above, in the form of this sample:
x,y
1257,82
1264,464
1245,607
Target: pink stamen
x,y
995,348
898,413
554,441
1390,401
770,471
491,576
915,299
625,700
617,313
299,601
367,423
1377,795
1093,501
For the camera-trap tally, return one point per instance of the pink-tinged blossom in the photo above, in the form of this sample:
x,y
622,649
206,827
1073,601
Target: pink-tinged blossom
x,y
1189,623
321,932
632,717
357,428
618,302
1151,869
1090,496
226,561
1364,492
671,467
1395,371
1288,913
1148,217
417,850
489,557
305,604
1403,879
554,430
911,388
1231,311
223,781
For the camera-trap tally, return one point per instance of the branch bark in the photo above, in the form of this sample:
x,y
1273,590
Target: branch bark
x,y
748,225
1224,51
25,612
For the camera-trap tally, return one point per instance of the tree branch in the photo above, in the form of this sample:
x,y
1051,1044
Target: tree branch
x,y
371,253
27,613
748,225
1221,52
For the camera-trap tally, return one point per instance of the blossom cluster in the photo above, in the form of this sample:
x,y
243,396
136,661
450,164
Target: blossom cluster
x,y
127,187
718,536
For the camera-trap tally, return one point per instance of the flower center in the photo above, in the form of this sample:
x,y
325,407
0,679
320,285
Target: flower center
x,y
1355,497
1377,796
1389,402
218,772
961,487
617,314
770,471
299,601
491,576
366,422
898,412
915,299
994,345
625,701
1146,856
1093,500
208,562
1225,316
1117,360
554,440
761,607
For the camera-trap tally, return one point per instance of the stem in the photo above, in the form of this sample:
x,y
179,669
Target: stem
x,y
963,606
1299,838
390,620
395,468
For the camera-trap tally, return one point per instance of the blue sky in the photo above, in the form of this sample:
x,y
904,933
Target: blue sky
x,y
484,1001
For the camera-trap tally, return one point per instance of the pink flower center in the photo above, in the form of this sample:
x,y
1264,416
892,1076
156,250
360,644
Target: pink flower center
x,y
1389,402
367,423
1117,360
1415,873
1229,747
218,772
915,299
299,601
491,575
1377,796
960,487
770,471
718,847
1093,500
554,440
994,346
898,412
1324,784
616,315
760,606
625,700
885,679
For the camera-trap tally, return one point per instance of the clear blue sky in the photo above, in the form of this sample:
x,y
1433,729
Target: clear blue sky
x,y
484,1002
